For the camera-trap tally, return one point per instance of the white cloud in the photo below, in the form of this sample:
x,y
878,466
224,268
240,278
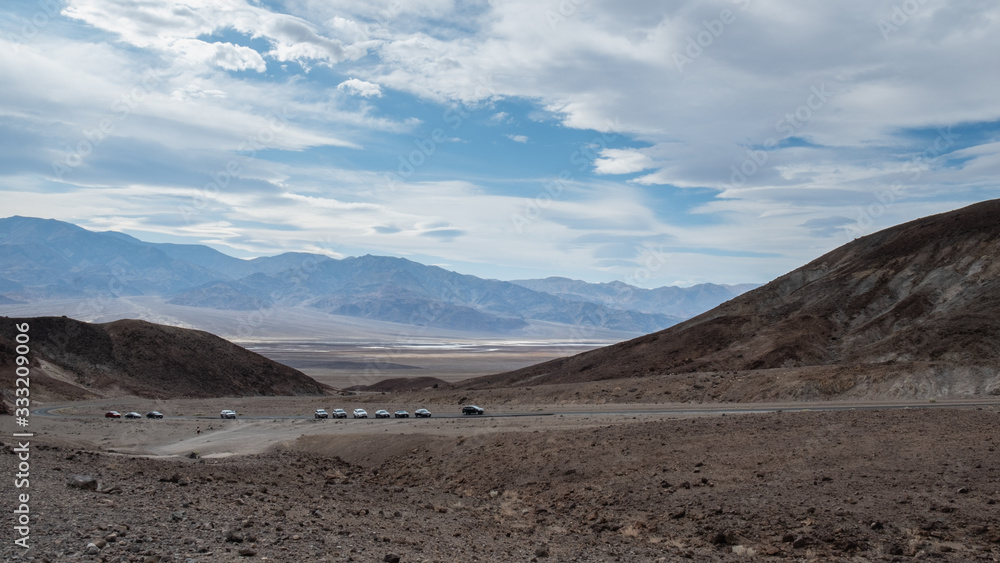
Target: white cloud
x,y
223,55
622,161
606,66
171,27
330,203
361,88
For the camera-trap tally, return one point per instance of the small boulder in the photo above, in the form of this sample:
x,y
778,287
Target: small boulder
x,y
83,482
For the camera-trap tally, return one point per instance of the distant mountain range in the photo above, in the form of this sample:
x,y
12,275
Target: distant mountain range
x,y
913,310
684,302
46,259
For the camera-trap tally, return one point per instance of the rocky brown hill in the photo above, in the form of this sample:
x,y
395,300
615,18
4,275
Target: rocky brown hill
x,y
77,360
925,293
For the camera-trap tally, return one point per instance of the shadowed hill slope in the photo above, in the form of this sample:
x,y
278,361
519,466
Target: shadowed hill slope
x,y
73,359
925,292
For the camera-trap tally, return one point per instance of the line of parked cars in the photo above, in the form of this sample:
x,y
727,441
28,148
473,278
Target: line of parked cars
x,y
320,413
362,413
133,414
382,413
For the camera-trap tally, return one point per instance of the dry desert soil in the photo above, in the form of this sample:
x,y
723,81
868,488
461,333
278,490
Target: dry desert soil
x,y
607,483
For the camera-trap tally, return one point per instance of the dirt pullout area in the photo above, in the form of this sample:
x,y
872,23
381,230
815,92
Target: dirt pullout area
x,y
840,486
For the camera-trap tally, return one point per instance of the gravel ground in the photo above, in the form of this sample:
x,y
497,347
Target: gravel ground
x,y
847,486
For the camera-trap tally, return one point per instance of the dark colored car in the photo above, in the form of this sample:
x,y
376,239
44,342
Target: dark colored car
x,y
401,414
112,414
339,413
472,409
422,413
133,415
381,413
154,414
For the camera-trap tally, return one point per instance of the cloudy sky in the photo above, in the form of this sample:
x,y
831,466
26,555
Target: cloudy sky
x,y
656,143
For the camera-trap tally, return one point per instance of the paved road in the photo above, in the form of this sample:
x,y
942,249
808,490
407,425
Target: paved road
x,y
667,410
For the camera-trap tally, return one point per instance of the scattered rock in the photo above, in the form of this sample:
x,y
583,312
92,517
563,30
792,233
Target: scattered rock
x,y
391,558
83,482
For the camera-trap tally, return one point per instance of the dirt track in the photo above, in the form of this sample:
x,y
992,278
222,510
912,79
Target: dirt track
x,y
851,485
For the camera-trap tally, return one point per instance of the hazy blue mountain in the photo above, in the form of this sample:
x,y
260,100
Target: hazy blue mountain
x,y
682,302
400,290
395,304
45,259
228,266
55,259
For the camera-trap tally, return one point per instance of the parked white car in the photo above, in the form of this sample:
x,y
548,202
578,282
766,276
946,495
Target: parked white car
x,y
360,413
227,414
